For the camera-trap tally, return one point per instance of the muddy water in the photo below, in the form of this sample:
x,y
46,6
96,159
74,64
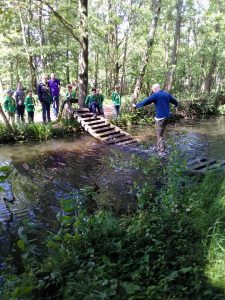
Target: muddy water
x,y
42,173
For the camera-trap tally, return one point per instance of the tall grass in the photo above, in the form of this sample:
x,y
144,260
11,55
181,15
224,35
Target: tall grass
x,y
36,131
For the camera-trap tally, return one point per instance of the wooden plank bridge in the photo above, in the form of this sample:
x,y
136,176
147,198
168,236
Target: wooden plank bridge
x,y
203,165
103,130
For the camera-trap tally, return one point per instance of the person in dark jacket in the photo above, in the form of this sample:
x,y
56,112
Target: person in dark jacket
x,y
44,96
20,106
162,101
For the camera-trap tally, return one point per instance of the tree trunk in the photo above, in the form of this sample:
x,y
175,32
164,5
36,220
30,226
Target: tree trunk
x,y
41,38
5,118
156,7
67,60
124,60
207,84
26,41
96,68
172,68
83,56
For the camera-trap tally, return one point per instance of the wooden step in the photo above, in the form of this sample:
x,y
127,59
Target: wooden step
x,y
202,166
86,115
197,160
82,110
127,143
119,134
108,134
105,129
92,120
118,140
98,122
100,126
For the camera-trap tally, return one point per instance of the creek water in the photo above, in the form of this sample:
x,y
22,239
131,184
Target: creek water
x,y
42,173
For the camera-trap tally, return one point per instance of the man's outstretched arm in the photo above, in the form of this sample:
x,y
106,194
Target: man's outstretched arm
x,y
144,102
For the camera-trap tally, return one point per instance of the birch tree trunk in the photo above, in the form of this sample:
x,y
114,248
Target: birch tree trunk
x,y
156,7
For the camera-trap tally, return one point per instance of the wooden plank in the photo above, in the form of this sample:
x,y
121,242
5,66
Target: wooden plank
x,y
87,115
109,133
202,167
92,119
118,140
118,134
102,130
127,143
100,126
95,123
197,160
105,129
82,110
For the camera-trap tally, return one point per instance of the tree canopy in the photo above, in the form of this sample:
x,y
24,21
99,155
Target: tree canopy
x,y
122,42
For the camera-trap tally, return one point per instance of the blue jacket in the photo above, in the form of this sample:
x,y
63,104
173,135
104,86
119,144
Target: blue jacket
x,y
162,102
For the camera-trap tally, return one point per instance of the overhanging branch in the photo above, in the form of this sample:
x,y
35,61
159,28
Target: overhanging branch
x,y
63,21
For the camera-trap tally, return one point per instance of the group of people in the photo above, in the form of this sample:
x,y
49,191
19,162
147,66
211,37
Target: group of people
x,y
94,101
49,90
15,103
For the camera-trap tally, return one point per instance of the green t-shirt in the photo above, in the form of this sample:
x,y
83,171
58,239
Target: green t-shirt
x,y
71,96
90,99
9,104
29,104
100,100
116,98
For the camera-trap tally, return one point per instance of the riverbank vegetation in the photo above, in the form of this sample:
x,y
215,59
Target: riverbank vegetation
x,y
171,247
37,131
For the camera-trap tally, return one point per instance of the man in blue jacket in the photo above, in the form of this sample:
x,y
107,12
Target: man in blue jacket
x,y
162,101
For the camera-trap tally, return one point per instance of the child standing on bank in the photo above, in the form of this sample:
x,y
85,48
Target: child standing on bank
x,y
9,105
29,105
116,99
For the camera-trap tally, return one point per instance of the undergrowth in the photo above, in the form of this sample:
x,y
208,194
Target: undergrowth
x,y
172,247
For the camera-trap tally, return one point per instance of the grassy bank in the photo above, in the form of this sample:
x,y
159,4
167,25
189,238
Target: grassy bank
x,y
37,131
172,247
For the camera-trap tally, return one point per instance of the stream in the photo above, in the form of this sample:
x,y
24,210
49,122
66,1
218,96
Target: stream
x,y
42,173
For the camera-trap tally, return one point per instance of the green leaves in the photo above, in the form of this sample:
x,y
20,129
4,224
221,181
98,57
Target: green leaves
x,y
131,288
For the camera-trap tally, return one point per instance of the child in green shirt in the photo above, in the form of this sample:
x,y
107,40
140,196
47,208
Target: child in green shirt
x,y
116,99
9,105
92,102
29,106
